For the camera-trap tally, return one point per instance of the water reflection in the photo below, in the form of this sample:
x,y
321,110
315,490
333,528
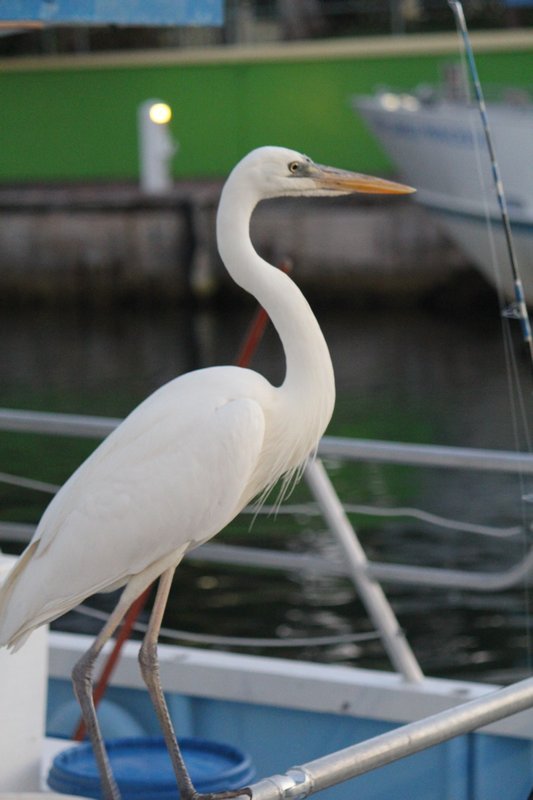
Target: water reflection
x,y
400,375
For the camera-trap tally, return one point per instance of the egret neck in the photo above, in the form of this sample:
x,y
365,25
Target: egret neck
x,y
309,384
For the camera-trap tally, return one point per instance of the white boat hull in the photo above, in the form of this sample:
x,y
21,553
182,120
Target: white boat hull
x,y
283,713
441,150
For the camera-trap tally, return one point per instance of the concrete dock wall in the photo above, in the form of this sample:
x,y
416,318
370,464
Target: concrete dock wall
x,y
106,243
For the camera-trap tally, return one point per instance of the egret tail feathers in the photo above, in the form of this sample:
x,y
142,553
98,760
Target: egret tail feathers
x,y
18,620
9,630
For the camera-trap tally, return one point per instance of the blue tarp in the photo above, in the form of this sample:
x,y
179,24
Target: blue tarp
x,y
114,12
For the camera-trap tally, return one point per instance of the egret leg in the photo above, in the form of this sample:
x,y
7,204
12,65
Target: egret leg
x,y
83,688
150,671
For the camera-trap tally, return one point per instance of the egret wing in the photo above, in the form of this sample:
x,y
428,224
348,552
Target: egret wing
x,y
160,485
163,490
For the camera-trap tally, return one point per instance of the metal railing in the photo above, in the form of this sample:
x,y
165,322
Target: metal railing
x,y
342,765
364,574
337,767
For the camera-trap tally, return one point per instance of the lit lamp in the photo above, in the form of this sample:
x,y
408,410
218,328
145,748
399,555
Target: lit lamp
x,y
156,146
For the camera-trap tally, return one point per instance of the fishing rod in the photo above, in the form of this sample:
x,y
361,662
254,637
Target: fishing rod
x,y
518,310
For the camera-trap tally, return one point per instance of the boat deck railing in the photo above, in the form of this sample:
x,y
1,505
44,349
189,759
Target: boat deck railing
x,y
358,759
365,574
337,767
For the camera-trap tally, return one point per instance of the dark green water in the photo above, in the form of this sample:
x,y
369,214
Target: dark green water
x,y
406,376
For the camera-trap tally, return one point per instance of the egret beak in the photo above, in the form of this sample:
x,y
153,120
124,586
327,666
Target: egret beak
x,y
340,180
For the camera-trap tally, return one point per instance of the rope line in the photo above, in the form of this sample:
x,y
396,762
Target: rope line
x,y
240,641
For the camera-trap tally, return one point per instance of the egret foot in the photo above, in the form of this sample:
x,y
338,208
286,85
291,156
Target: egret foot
x,y
228,795
82,683
149,664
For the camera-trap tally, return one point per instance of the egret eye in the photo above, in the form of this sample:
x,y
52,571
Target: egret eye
x,y
295,167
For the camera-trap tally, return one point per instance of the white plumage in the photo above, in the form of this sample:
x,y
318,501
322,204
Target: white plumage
x,y
186,461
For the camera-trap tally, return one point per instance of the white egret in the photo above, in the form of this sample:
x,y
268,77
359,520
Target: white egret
x,y
187,460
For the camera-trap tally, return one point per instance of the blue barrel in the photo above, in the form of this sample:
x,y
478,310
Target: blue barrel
x,y
142,768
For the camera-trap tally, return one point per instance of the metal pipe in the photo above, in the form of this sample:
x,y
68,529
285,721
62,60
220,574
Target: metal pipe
x,y
333,447
371,593
236,555
59,424
322,773
454,578
422,455
434,577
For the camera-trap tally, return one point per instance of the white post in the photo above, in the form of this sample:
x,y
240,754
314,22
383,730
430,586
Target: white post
x,y
156,147
23,677
371,593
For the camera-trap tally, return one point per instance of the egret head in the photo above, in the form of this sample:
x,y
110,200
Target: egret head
x,y
278,171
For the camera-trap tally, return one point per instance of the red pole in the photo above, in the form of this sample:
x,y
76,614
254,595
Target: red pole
x,y
109,666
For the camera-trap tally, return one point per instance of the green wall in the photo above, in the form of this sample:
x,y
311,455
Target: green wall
x,y
69,122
